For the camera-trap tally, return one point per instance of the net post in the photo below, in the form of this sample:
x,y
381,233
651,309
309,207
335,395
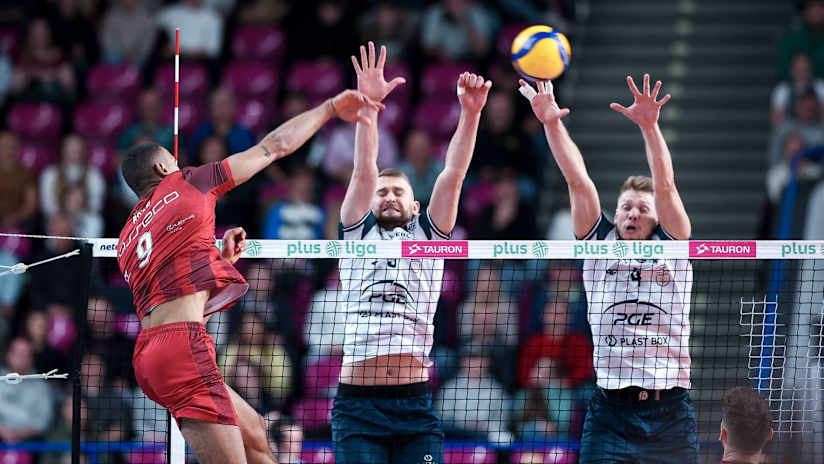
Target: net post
x,y
82,304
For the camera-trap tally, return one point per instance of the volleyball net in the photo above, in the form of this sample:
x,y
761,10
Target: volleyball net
x,y
513,346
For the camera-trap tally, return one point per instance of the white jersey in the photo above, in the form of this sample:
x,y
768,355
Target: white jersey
x,y
638,310
390,304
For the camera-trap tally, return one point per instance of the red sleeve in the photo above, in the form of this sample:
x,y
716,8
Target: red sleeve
x,y
214,178
578,362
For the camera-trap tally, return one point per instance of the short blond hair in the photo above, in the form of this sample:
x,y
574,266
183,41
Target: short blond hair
x,y
638,184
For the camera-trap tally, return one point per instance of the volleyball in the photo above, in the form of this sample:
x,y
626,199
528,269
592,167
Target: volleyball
x,y
540,53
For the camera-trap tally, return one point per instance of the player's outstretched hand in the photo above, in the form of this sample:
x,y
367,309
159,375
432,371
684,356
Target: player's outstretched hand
x,y
234,243
543,102
370,74
348,103
472,92
644,110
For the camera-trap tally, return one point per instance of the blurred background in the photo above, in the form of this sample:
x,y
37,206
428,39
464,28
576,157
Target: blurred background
x,y
81,81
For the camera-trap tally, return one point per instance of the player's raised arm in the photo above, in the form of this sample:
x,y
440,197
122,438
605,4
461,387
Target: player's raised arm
x,y
644,112
363,183
443,204
290,135
586,206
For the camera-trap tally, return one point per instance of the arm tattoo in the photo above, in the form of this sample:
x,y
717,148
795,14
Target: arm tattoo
x,y
266,151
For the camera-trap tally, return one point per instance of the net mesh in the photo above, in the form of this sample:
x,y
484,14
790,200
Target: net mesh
x,y
513,351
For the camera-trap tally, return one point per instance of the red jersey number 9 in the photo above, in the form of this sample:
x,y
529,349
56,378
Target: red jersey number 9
x,y
144,249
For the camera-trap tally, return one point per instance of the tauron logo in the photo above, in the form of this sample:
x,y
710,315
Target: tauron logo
x,y
723,249
435,249
701,249
414,249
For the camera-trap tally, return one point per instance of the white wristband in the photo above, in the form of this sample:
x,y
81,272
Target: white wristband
x,y
528,92
461,90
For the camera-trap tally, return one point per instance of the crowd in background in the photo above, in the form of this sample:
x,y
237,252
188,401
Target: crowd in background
x,y
81,81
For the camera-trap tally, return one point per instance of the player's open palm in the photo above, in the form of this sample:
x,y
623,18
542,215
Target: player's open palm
x,y
348,103
472,91
370,74
543,102
644,110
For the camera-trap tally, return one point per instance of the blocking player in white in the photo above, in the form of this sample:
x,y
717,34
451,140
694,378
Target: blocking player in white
x,y
638,309
383,410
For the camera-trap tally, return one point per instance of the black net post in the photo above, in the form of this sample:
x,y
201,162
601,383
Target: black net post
x,y
84,268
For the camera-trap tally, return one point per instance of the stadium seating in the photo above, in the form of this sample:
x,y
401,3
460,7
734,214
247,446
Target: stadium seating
x,y
16,457
476,455
189,115
547,456
255,115
317,79
113,82
251,79
102,156
313,413
10,41
38,155
194,80
439,80
437,116
101,121
267,44
35,120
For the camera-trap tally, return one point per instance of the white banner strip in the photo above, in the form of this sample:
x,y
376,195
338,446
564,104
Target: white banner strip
x,y
520,249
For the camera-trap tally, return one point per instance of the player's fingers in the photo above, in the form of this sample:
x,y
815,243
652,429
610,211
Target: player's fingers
x,y
549,87
462,80
488,85
358,69
656,89
541,87
632,87
564,112
646,84
382,57
371,54
664,100
522,82
480,82
617,107
396,82
363,59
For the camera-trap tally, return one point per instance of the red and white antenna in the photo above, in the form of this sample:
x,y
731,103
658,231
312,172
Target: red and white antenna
x,y
177,84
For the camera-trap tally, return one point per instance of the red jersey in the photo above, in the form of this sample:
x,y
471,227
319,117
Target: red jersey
x,y
167,247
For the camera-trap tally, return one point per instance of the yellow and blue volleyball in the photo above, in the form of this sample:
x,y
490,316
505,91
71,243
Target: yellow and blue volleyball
x,y
540,53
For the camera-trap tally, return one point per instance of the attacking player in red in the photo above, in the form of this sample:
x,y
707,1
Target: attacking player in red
x,y
178,278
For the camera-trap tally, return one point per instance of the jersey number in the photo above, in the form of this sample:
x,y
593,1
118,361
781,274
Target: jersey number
x,y
144,249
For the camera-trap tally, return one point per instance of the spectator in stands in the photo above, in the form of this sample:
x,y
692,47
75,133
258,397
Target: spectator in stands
x,y
41,71
127,33
18,191
110,417
201,28
257,365
149,124
25,410
503,146
58,282
779,174
6,75
746,426
389,23
36,329
804,36
488,316
338,162
420,166
77,34
288,440
509,216
801,81
552,365
325,322
74,204
474,402
324,18
457,30
150,419
296,218
223,124
61,431
72,169
263,12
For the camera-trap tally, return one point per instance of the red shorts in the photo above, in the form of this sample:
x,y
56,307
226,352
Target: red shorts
x,y
175,366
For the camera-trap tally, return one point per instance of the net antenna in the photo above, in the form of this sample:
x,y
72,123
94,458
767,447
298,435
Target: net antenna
x,y
20,268
13,378
177,87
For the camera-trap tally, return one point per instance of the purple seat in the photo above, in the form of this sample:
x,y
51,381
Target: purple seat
x,y
438,117
506,36
259,43
35,120
113,82
313,413
321,455
319,79
102,156
189,115
251,79
38,155
15,457
402,93
101,121
254,115
10,41
194,80
555,455
440,80
394,116
322,375
20,247
146,457
477,455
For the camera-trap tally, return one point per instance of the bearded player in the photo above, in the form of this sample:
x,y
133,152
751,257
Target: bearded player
x,y
178,277
638,309
383,409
